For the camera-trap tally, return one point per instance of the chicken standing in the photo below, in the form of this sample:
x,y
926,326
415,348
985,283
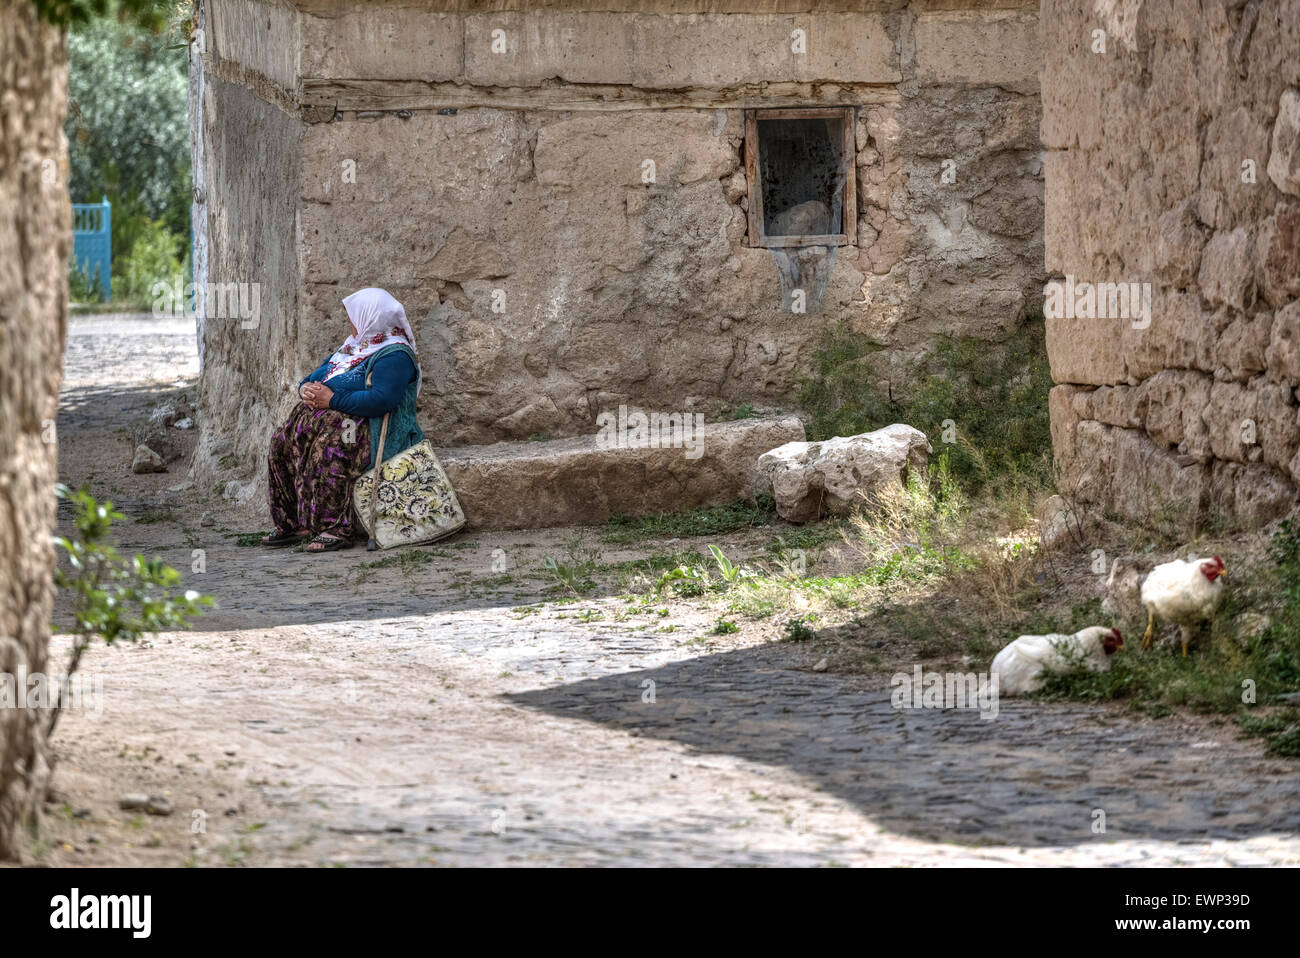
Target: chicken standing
x,y
1185,593
1020,666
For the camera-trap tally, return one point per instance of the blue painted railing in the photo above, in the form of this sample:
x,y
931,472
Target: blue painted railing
x,y
92,242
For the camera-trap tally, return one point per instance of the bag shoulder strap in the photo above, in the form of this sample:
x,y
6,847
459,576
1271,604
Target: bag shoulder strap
x,y
373,543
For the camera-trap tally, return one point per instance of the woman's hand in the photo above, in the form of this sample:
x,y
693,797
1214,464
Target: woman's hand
x,y
316,395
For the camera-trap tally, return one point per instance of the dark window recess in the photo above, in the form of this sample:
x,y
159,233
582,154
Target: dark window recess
x,y
801,172
803,179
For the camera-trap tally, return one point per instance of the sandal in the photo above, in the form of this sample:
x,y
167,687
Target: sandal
x,y
327,543
278,540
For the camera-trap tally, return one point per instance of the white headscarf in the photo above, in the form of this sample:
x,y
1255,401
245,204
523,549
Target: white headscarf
x,y
380,321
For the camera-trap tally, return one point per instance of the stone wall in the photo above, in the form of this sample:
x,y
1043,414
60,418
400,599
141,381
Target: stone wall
x,y
1174,160
251,175
35,233
415,158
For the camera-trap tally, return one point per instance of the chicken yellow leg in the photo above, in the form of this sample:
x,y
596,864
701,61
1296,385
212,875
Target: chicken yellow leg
x,y
1151,629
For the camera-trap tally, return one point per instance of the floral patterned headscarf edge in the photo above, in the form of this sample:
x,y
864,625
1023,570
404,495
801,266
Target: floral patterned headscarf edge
x,y
380,321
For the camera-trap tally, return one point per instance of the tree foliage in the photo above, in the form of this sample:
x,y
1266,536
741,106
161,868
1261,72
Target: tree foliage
x,y
153,14
128,126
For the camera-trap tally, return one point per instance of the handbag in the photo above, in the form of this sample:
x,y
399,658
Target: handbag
x,y
406,500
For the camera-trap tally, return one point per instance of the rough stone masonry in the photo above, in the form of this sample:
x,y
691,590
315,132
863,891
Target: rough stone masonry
x,y
488,167
1173,136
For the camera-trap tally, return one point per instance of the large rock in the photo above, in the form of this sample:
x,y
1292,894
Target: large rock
x,y
146,460
584,480
171,411
1059,522
809,479
1121,593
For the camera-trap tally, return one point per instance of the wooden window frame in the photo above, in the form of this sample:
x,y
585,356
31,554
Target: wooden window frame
x,y
758,222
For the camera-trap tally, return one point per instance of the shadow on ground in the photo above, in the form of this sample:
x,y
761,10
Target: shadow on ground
x,y
1034,775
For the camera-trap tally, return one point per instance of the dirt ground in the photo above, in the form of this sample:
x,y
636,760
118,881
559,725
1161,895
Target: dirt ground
x,y
435,709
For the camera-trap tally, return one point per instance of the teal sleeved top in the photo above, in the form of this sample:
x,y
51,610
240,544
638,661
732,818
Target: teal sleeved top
x,y
392,391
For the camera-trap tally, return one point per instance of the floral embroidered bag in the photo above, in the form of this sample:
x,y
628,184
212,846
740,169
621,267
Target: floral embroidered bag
x,y
411,503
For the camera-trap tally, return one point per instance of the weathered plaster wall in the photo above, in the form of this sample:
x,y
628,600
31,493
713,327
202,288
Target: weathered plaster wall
x,y
445,172
1151,145
251,174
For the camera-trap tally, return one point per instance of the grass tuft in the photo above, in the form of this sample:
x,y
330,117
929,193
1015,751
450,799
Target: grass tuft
x,y
710,521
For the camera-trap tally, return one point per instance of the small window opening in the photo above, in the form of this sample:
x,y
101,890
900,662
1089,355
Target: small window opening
x,y
800,166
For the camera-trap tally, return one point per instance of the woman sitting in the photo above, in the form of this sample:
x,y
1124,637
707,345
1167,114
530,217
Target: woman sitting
x,y
332,435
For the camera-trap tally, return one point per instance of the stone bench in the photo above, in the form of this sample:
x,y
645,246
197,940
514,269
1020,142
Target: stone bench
x,y
578,481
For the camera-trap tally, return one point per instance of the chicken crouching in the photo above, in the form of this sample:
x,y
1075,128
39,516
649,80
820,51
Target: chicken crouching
x,y
1023,664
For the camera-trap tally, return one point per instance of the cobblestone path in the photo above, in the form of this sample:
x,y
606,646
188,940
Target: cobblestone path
x,y
332,712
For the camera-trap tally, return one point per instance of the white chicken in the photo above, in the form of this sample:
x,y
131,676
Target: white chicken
x,y
1020,666
1185,593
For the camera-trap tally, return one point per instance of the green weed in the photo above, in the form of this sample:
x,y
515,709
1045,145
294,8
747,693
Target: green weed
x,y
711,521
799,630
991,402
575,568
686,580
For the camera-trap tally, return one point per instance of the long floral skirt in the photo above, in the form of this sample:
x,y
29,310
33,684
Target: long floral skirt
x,y
314,460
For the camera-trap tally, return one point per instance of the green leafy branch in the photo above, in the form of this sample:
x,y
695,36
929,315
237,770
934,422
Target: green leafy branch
x,y
114,596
